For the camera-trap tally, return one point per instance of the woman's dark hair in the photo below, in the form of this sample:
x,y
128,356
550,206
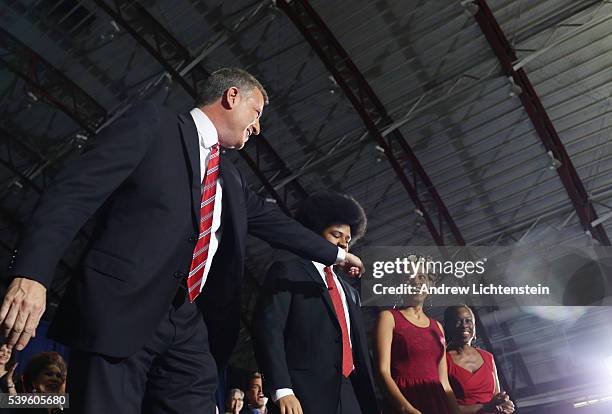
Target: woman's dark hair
x,y
326,208
450,314
38,363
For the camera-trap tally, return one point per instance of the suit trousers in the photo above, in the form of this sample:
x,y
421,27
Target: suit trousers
x,y
348,398
174,371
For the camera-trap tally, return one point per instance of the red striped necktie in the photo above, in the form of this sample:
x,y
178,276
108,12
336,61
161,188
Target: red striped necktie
x,y
347,353
200,252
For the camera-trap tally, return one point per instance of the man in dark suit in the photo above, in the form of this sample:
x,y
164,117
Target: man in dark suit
x,y
174,218
309,334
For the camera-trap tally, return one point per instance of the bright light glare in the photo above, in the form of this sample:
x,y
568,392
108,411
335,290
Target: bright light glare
x,y
592,402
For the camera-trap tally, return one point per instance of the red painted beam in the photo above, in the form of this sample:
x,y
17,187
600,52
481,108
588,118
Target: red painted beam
x,y
541,121
372,112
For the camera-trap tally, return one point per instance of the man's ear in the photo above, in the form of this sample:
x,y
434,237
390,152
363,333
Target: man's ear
x,y
230,97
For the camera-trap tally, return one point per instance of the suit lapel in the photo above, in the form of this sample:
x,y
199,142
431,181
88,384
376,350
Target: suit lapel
x,y
348,292
232,193
352,305
314,274
360,346
191,144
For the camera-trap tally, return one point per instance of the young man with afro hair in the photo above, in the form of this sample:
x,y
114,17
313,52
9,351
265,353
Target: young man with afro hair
x,y
310,340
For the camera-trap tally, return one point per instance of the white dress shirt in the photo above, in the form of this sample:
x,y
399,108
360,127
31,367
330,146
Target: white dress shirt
x,y
208,136
283,392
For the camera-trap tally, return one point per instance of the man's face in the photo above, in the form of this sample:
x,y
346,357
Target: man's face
x,y
255,393
245,109
338,234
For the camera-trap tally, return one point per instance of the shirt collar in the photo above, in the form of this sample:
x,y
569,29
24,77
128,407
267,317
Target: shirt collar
x,y
207,133
321,267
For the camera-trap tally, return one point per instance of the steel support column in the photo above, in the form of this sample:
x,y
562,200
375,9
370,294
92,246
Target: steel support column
x,y
172,55
373,114
541,121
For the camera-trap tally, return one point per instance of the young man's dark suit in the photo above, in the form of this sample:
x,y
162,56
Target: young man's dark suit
x,y
145,171
299,342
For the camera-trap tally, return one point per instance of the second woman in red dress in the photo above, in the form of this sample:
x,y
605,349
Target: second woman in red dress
x,y
471,371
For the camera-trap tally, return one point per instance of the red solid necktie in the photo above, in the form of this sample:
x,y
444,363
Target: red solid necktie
x,y
200,252
347,353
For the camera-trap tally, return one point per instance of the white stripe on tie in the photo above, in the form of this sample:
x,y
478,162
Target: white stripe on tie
x,y
208,187
196,284
208,201
195,269
199,252
204,233
206,217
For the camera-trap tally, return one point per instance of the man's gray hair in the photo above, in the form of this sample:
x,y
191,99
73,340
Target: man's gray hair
x,y
236,391
222,79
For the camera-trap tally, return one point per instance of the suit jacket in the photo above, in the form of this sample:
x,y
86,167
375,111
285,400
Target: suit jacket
x,y
145,172
298,341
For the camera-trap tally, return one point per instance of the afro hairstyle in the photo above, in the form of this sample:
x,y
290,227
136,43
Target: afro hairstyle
x,y
327,208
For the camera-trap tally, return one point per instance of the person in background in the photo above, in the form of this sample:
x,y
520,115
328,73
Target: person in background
x,y
411,355
471,371
309,335
7,370
256,400
235,401
45,372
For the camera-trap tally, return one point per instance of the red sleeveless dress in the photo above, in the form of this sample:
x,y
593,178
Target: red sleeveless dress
x,y
415,355
472,387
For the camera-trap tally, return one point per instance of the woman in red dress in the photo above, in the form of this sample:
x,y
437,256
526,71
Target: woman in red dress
x,y
411,363
471,371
